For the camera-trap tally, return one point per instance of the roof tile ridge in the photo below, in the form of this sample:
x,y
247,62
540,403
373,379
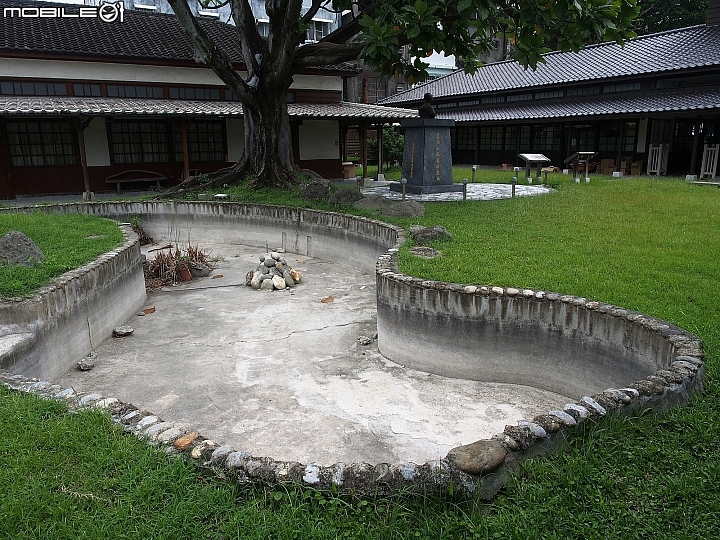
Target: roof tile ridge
x,y
631,40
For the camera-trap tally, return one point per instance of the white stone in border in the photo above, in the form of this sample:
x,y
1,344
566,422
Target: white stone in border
x,y
146,422
407,470
221,453
631,392
337,476
537,430
590,402
686,365
470,289
170,435
106,403
312,473
564,417
498,290
582,411
236,459
690,359
130,415
86,401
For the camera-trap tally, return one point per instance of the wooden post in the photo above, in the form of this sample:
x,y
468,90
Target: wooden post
x,y
80,124
186,159
363,148
696,145
380,148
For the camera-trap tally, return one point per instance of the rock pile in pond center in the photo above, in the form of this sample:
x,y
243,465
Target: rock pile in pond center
x,y
273,273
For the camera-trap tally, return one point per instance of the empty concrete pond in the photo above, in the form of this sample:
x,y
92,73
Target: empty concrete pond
x,y
389,371
284,375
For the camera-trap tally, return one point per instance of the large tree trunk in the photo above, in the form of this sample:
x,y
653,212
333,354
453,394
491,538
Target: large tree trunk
x,y
268,142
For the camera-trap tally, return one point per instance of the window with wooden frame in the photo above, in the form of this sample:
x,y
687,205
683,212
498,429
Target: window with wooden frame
x,y
491,138
139,142
608,140
205,140
466,138
546,137
86,90
24,88
41,143
134,91
199,93
630,137
511,134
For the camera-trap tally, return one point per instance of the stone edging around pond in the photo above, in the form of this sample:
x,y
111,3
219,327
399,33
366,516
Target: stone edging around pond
x,y
482,467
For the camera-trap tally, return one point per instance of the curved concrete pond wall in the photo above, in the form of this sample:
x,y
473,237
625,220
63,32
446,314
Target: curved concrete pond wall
x,y
45,335
563,344
617,360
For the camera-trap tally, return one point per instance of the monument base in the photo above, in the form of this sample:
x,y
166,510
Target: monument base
x,y
424,190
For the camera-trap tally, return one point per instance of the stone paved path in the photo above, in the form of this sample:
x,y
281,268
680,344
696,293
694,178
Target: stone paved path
x,y
475,192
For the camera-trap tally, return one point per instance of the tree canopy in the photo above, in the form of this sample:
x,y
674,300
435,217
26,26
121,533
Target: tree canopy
x,y
659,15
386,34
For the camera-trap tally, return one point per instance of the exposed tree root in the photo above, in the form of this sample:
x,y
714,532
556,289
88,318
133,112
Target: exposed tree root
x,y
269,176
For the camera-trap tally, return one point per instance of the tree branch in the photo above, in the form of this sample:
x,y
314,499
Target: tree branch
x,y
325,54
207,52
314,8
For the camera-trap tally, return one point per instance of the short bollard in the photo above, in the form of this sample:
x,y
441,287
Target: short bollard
x,y
464,189
404,183
545,172
514,183
474,168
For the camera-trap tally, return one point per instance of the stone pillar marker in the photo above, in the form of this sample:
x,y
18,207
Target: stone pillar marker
x,y
427,159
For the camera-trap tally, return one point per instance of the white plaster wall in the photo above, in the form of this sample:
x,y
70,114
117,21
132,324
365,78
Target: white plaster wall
x,y
319,139
235,129
96,144
106,71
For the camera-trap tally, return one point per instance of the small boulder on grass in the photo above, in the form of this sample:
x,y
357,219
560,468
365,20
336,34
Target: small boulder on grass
x,y
372,202
315,189
17,248
404,209
345,196
424,235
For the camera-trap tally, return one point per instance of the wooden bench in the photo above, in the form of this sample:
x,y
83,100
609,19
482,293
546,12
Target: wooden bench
x,y
135,175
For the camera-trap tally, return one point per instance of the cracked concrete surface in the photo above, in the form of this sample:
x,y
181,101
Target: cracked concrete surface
x,y
281,374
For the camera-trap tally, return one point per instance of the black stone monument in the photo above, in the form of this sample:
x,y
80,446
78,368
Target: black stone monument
x,y
427,160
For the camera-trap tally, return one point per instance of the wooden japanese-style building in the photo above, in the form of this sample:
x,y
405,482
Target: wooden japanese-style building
x,y
650,107
83,103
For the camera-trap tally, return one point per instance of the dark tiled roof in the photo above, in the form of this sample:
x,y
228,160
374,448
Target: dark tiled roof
x,y
15,105
692,47
142,35
626,104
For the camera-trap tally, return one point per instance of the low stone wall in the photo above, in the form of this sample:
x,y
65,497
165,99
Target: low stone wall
x,y
560,343
45,335
349,240
619,361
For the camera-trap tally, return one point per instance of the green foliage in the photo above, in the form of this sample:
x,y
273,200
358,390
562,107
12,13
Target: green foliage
x,y
393,145
659,15
66,240
468,28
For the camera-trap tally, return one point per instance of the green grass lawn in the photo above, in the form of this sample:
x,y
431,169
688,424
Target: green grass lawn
x,y
650,245
67,242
